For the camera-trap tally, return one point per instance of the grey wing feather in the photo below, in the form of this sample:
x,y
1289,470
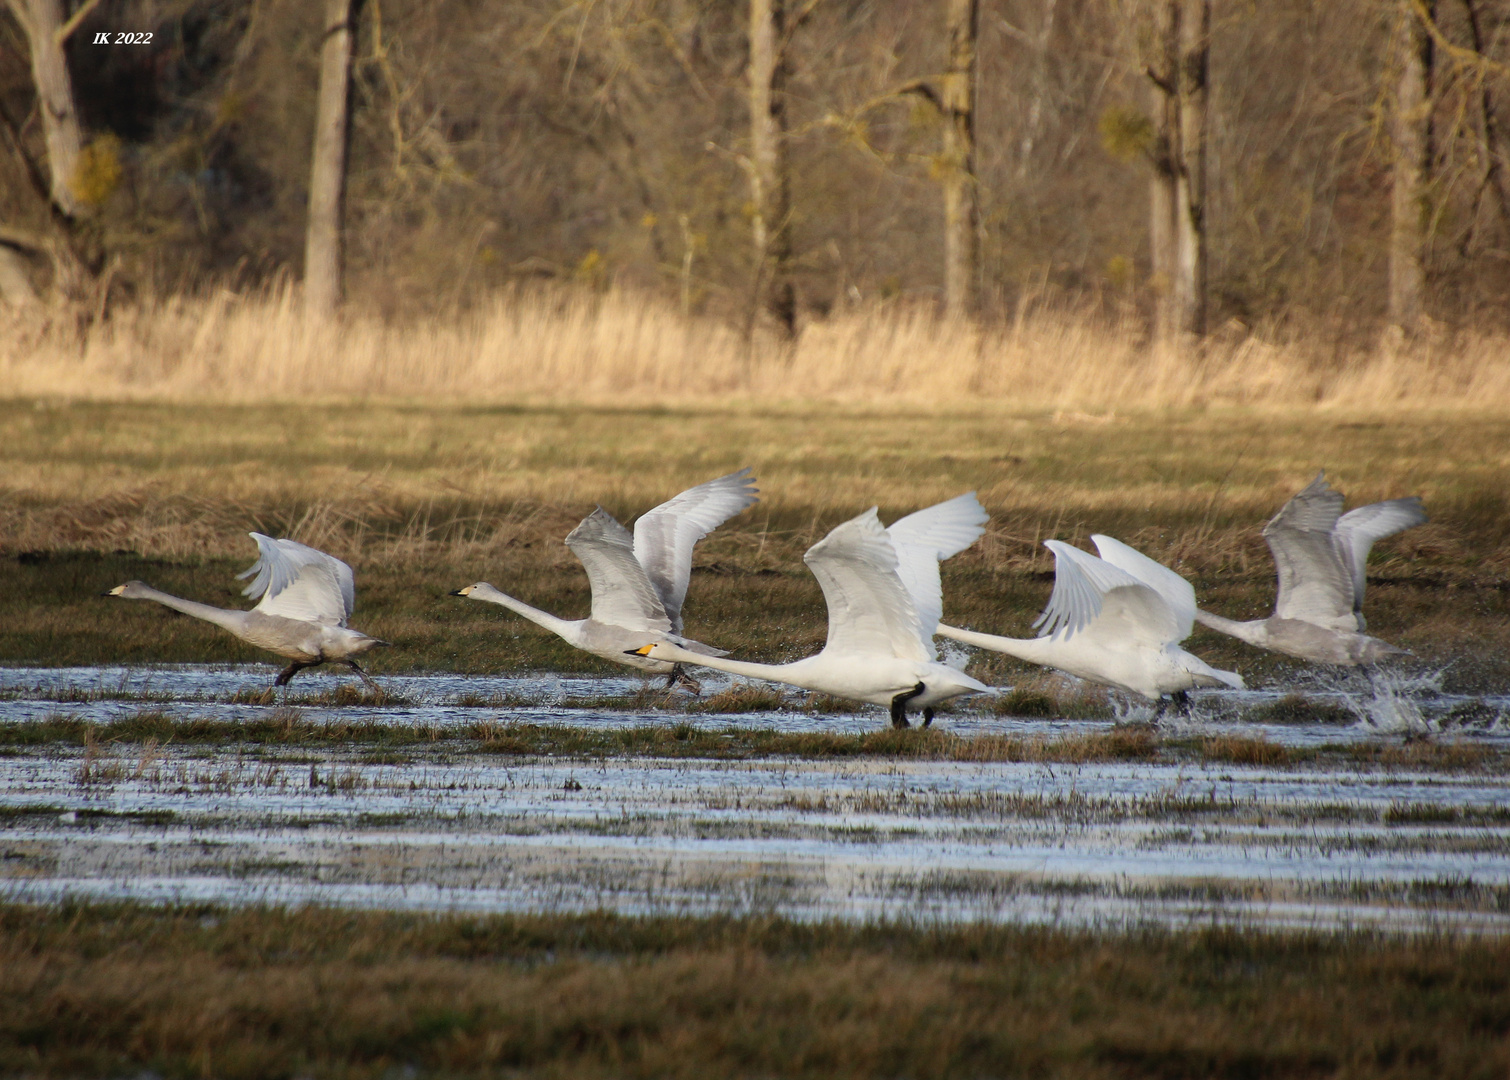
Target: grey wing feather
x,y
665,536
924,539
297,581
621,593
1314,586
1357,530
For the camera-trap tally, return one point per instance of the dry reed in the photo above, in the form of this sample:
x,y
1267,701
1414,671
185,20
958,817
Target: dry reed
x,y
620,347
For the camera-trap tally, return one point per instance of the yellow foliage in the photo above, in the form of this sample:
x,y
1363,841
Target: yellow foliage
x,y
98,172
1125,132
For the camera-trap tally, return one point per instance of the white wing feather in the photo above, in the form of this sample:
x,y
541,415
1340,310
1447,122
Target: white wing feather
x,y
664,537
869,609
296,581
1178,593
621,593
1081,585
924,539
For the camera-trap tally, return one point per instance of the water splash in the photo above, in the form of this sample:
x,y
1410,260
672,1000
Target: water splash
x,y
1393,703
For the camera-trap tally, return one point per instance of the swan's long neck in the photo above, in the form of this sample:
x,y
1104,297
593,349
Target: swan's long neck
x,y
1254,633
229,618
567,628
787,673
1033,650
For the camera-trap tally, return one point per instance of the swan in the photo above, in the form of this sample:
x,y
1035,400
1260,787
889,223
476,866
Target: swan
x,y
884,600
1320,553
307,596
639,582
1115,620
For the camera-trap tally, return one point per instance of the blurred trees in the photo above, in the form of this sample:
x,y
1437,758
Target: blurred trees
x,y
610,141
327,180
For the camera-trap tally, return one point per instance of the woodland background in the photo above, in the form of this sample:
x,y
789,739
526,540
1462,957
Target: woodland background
x,y
606,143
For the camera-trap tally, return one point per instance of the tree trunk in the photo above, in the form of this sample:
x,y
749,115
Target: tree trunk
x,y
961,190
770,192
327,180
1177,226
1190,196
42,20
1411,134
1166,157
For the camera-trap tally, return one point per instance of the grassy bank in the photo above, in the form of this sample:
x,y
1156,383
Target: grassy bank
x,y
110,989
423,499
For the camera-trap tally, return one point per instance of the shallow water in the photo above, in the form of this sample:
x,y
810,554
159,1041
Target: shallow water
x,y
443,827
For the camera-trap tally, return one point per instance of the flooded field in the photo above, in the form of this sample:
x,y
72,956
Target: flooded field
x,y
442,822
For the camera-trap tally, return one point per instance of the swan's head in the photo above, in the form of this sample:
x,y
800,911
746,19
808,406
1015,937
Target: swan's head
x,y
653,651
132,590
480,586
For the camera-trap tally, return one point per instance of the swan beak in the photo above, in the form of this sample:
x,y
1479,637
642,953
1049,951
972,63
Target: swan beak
x,y
643,650
462,592
117,591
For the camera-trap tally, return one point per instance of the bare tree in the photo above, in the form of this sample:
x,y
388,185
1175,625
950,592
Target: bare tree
x,y
770,185
327,180
1410,132
1179,72
958,175
46,33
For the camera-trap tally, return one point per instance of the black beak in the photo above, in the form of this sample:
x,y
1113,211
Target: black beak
x,y
632,652
456,592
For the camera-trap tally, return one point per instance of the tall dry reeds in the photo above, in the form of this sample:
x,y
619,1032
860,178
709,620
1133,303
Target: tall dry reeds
x,y
621,347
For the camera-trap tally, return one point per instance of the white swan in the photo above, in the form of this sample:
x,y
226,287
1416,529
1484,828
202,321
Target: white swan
x,y
882,590
307,596
638,582
1117,620
1320,553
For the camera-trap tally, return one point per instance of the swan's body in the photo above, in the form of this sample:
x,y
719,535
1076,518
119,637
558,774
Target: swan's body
x,y
882,590
1115,620
638,581
307,596
1320,554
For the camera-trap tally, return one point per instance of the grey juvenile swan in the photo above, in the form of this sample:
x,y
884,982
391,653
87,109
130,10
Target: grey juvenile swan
x,y
639,582
1115,620
1320,553
307,596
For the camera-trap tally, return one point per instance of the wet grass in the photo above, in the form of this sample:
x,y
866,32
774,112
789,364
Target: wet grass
x,y
203,991
424,499
682,739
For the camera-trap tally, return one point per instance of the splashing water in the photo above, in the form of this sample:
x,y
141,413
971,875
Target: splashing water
x,y
1392,705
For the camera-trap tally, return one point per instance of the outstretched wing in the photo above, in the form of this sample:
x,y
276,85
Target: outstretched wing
x,y
296,581
1176,592
664,537
869,610
1357,530
1088,590
1314,586
621,593
924,539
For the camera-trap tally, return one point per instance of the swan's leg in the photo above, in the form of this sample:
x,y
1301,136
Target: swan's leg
x,y
928,716
366,678
293,669
899,706
1181,700
679,675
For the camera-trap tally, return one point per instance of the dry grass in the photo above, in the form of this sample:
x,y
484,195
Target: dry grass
x,y
625,348
115,989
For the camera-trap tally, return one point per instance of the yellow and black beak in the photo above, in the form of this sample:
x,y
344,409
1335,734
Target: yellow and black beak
x,y
643,650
